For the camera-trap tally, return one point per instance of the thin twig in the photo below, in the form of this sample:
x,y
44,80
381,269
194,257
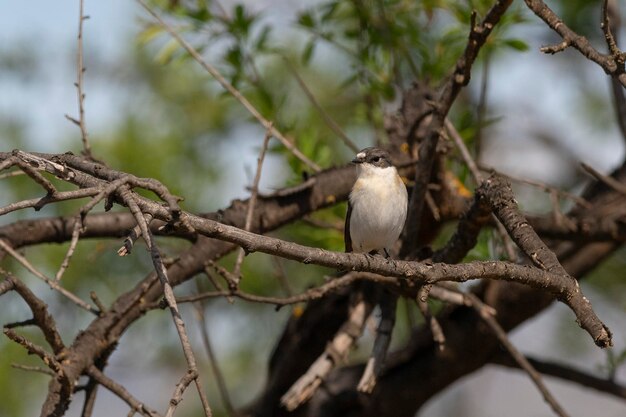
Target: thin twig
x,y
131,238
282,276
543,186
51,282
335,353
78,225
38,203
609,181
37,177
41,317
34,349
607,62
478,178
517,356
217,372
467,157
252,202
97,302
308,295
325,116
80,69
479,32
182,385
192,373
121,392
30,368
228,276
608,34
569,374
375,363
429,318
91,392
232,90
614,19
481,107
16,173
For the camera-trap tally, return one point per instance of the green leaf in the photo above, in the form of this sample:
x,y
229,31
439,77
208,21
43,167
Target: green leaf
x,y
262,38
306,20
241,22
517,44
166,53
328,10
149,33
233,57
308,51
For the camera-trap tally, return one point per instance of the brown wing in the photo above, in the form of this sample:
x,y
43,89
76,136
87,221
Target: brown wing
x,y
347,240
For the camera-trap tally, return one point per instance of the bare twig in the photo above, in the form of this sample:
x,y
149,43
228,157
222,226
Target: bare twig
x,y
121,392
613,23
41,316
542,186
34,349
232,90
567,373
30,170
375,363
51,282
481,107
611,65
182,385
78,225
467,157
29,368
478,178
517,356
325,116
38,203
610,182
96,300
607,29
228,276
252,202
479,32
504,206
91,392
309,295
282,276
192,373
429,318
217,372
335,352
15,173
129,241
80,69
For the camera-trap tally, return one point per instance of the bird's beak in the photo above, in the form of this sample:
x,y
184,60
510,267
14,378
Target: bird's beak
x,y
358,160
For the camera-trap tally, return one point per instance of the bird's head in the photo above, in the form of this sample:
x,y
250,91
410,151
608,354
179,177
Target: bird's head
x,y
371,160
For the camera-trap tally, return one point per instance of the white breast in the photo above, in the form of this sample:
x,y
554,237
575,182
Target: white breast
x,y
379,205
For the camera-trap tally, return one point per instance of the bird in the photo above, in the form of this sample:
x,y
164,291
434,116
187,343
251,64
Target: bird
x,y
377,206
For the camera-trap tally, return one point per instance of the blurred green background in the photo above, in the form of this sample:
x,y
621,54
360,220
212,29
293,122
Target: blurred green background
x,y
153,112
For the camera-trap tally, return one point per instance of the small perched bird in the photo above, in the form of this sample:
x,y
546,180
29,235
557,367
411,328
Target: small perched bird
x,y
377,206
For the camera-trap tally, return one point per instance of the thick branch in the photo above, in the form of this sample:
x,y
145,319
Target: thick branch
x,y
450,90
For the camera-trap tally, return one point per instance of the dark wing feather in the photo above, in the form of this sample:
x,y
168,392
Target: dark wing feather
x,y
347,240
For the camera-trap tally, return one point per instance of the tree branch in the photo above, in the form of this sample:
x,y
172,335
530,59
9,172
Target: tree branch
x,y
567,373
570,38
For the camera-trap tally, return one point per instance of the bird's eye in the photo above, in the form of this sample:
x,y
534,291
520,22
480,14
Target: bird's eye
x,y
376,159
